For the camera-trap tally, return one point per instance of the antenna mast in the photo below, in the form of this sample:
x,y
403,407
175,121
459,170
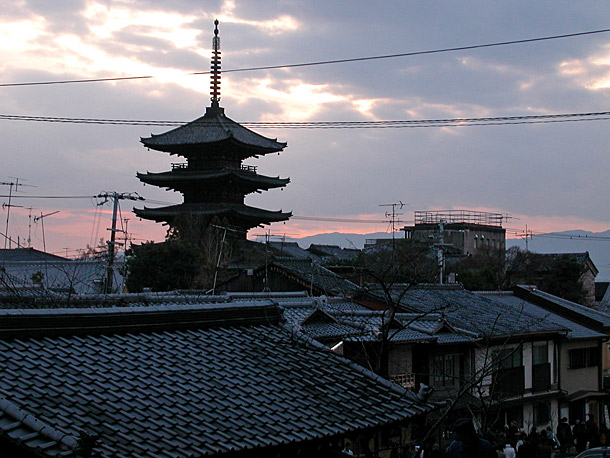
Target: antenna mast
x,y
41,219
8,206
394,215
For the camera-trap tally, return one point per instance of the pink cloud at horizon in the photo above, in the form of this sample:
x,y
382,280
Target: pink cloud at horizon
x,y
72,230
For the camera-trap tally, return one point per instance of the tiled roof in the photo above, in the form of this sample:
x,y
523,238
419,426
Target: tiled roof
x,y
20,428
27,254
293,250
575,330
473,312
60,275
178,381
564,307
350,322
312,273
212,128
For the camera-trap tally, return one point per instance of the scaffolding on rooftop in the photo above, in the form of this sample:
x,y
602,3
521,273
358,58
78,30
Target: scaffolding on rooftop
x,y
459,216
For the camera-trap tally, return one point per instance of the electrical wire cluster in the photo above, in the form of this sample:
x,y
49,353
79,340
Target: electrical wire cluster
x,y
397,124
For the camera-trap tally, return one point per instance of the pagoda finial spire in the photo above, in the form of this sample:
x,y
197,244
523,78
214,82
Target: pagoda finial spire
x,y
215,83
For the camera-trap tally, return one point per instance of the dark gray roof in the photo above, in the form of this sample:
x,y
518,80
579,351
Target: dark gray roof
x,y
27,254
19,426
310,272
212,128
178,381
82,276
333,251
473,312
563,307
575,330
350,321
293,250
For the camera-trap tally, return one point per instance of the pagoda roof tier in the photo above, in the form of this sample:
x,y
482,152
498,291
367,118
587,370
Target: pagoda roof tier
x,y
212,131
181,178
239,214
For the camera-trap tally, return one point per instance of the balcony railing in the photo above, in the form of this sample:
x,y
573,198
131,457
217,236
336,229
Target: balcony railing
x,y
541,377
405,380
508,382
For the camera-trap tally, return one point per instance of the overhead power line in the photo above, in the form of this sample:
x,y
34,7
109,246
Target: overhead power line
x,y
455,122
25,196
338,220
325,62
400,124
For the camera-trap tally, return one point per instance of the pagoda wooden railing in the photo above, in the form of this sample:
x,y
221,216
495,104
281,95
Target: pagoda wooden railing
x,y
243,168
249,168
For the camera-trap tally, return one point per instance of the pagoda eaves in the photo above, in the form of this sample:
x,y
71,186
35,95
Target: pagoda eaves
x,y
212,131
182,179
239,214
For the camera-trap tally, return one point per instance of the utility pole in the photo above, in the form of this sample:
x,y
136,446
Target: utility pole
x,y
30,227
222,243
115,196
527,236
441,249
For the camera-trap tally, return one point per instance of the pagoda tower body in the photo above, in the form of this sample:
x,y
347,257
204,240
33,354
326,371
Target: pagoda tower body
x,y
213,180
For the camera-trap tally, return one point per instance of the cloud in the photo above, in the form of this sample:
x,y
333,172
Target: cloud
x,y
542,172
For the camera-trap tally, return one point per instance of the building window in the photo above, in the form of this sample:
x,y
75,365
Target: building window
x,y
507,358
540,353
447,370
509,374
542,413
584,357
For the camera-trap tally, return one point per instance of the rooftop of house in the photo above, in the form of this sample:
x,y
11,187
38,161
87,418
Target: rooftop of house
x,y
56,274
179,380
334,319
587,316
459,307
293,250
544,261
574,330
27,254
312,274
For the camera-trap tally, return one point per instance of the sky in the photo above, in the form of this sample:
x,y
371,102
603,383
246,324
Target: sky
x,y
546,177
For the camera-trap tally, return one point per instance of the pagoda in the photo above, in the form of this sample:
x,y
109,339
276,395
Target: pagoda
x,y
213,180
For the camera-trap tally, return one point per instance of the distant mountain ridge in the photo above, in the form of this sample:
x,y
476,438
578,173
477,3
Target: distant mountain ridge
x,y
576,241
341,239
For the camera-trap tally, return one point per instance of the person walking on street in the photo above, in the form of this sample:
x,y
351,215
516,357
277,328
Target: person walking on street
x,y
564,435
467,444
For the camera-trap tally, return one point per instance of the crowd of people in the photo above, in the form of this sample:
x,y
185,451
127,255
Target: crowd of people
x,y
514,442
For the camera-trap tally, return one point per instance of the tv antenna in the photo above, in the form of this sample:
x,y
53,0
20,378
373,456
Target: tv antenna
x,y
393,215
41,219
11,184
